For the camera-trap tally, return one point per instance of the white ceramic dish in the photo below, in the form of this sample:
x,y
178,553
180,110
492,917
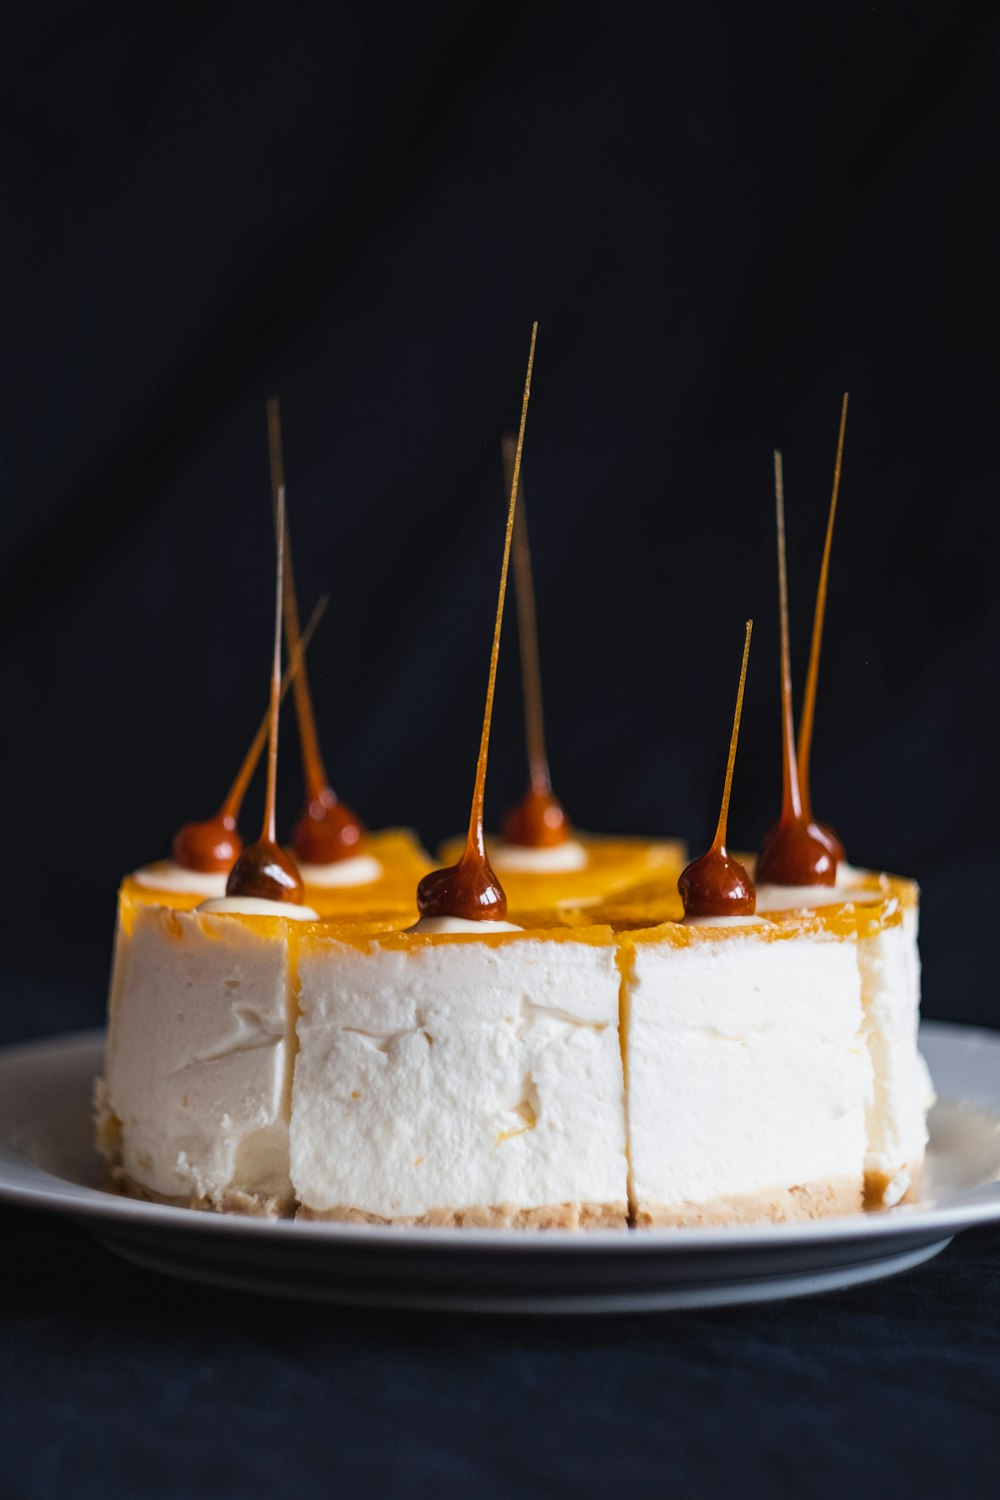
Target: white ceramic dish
x,y
47,1162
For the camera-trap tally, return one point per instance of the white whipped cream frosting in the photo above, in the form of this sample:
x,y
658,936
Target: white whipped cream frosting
x,y
449,1076
556,860
740,920
460,924
166,875
200,1057
357,869
258,906
811,897
747,1068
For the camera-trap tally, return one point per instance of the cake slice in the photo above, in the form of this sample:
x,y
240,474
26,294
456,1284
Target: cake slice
x,y
610,864
802,867
199,1065
466,1079
886,912
748,1074
465,1070
195,1105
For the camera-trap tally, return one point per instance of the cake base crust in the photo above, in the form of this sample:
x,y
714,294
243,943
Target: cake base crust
x,y
228,1201
494,1216
108,1140
811,1200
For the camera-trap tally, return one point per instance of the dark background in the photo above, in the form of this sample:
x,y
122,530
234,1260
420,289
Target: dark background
x,y
721,220
722,216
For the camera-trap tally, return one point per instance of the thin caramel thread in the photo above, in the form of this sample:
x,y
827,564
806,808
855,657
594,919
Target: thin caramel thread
x,y
791,797
719,842
475,842
527,634
234,797
812,676
268,830
314,771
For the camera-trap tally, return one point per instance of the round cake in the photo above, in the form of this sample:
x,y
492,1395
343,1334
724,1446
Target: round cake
x,y
550,1030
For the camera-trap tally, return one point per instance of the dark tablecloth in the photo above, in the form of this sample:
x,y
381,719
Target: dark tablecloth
x,y
118,1382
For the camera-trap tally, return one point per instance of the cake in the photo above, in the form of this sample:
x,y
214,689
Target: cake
x,y
594,1046
231,1035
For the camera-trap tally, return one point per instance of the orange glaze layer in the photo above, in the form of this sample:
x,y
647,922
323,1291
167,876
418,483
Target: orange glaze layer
x,y
403,862
655,901
644,913
612,864
397,850
364,935
897,893
836,922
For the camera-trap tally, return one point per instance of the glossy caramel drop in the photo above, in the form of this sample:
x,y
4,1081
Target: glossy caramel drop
x,y
797,851
834,840
266,871
327,830
469,890
211,846
537,822
716,884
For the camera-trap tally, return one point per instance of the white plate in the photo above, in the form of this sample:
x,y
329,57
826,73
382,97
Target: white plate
x,y
47,1162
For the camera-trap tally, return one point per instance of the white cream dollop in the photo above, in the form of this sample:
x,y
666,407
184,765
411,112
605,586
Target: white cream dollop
x,y
257,906
357,869
461,924
166,875
733,921
555,860
796,897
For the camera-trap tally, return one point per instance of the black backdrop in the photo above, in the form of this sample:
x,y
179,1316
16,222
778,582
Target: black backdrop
x,y
721,220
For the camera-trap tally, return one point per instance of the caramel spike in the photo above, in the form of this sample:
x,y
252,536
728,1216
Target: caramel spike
x,y
791,797
527,633
719,842
312,760
812,676
268,831
234,797
716,884
475,841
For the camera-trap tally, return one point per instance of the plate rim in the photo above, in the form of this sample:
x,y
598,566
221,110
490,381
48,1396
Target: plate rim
x,y
45,1191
